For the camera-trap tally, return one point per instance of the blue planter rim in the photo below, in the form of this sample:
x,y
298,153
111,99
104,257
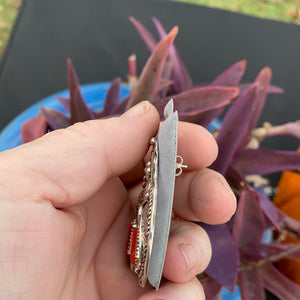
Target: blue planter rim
x,y
93,93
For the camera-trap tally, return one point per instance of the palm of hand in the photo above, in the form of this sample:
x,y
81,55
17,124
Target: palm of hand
x,y
66,247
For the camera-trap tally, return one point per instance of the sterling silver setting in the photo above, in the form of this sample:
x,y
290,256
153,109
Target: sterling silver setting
x,y
141,228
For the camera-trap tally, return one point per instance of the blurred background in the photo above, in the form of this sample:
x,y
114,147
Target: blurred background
x,y
8,13
282,10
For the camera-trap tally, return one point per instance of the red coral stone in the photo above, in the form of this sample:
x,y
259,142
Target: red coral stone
x,y
133,245
128,238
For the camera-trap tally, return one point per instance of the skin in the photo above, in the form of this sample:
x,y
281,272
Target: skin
x,y
67,198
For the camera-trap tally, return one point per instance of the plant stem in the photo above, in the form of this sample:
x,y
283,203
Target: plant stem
x,y
269,259
291,226
259,263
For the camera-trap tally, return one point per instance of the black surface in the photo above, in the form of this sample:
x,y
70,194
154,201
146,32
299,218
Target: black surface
x,y
270,296
98,36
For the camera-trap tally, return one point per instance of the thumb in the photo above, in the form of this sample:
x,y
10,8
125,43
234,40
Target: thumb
x,y
68,166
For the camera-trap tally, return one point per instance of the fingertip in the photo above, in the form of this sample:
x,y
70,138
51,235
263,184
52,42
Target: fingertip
x,y
139,109
204,195
190,290
188,252
196,145
214,204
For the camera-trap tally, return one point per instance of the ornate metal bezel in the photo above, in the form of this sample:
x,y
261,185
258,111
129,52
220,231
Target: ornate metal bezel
x,y
141,231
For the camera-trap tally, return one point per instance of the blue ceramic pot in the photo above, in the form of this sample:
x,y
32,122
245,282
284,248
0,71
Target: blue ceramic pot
x,y
226,295
94,94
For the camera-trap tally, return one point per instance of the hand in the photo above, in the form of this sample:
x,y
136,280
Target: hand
x,y
65,210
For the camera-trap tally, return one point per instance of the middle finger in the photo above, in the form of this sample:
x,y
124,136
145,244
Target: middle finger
x,y
195,144
199,196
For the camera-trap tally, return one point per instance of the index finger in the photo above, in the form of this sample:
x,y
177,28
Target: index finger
x,y
70,165
196,146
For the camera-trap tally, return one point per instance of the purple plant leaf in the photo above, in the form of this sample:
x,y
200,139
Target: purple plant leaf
x,y
272,213
150,78
164,84
291,225
271,89
206,117
248,225
198,100
263,79
166,76
65,102
180,76
211,289
276,217
151,43
232,76
251,286
203,99
293,255
235,179
278,284
265,161
72,78
163,88
234,129
290,128
121,107
33,128
79,111
55,119
262,82
224,271
112,97
147,37
238,184
263,250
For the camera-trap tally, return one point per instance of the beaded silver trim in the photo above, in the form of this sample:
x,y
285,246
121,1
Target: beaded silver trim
x,y
142,226
145,218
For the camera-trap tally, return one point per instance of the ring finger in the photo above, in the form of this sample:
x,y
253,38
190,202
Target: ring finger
x,y
188,252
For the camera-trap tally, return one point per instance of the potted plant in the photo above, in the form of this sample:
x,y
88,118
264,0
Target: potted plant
x,y
250,258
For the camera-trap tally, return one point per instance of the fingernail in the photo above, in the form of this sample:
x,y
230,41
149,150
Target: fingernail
x,y
228,188
137,110
190,255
